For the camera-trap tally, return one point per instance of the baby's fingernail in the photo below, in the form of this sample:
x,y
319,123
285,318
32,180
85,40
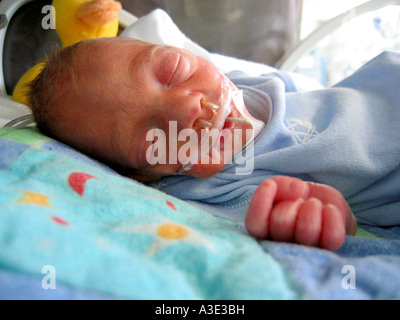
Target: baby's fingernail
x,y
299,187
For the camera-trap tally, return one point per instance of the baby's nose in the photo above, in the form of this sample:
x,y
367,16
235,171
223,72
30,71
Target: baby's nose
x,y
208,111
192,111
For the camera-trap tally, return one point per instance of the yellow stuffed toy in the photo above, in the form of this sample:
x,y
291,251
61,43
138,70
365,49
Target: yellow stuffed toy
x,y
76,20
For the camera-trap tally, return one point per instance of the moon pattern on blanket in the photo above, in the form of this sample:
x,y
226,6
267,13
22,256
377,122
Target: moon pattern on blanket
x,y
77,181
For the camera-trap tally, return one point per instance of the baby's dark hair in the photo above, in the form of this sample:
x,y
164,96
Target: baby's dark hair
x,y
46,89
49,90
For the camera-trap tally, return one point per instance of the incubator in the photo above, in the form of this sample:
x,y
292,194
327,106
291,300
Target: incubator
x,y
254,30
3,21
23,42
213,24
339,46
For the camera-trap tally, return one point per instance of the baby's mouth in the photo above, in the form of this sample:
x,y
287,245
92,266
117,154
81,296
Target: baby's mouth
x,y
212,121
231,119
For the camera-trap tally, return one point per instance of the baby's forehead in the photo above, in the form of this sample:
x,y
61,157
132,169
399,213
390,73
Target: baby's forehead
x,y
98,64
105,52
115,44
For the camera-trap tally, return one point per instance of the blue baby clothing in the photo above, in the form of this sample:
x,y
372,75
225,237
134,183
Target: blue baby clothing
x,y
346,136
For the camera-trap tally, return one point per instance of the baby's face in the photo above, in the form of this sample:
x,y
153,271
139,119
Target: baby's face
x,y
123,89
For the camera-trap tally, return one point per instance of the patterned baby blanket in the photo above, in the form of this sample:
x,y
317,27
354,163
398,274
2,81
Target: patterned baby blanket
x,y
72,228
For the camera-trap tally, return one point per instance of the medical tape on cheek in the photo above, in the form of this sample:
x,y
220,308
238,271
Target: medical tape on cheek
x,y
238,102
212,128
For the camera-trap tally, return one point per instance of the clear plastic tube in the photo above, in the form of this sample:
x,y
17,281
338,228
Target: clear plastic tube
x,y
230,98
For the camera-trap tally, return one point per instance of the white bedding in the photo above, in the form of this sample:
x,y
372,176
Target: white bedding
x,y
10,110
158,27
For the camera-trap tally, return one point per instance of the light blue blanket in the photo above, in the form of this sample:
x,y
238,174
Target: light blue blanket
x,y
346,136
72,228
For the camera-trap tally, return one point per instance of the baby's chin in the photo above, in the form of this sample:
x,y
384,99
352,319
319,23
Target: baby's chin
x,y
204,171
218,157
199,171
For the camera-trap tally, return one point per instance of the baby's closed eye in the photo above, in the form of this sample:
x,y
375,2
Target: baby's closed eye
x,y
182,72
166,68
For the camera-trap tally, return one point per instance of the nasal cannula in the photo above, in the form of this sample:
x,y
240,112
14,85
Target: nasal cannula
x,y
230,96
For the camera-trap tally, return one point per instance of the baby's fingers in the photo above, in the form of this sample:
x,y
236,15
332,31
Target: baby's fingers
x,y
309,223
271,193
290,189
333,233
283,220
257,217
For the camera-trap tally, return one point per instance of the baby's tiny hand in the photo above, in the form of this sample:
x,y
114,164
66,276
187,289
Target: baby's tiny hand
x,y
290,210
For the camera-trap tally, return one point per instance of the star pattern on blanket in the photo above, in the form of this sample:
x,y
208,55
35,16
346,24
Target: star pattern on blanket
x,y
303,130
166,234
34,198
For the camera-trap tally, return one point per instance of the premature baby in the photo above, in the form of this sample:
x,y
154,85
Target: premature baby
x,y
103,97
